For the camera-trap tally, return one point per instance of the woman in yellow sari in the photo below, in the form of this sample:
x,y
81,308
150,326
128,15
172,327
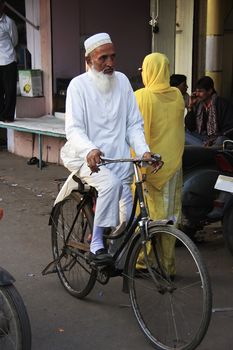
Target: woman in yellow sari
x,y
162,108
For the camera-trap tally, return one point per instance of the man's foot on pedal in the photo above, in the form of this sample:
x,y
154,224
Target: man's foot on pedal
x,y
100,257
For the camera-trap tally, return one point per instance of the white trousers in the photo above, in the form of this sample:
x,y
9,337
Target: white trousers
x,y
114,202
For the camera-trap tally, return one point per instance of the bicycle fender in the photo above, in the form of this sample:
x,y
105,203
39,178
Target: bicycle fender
x,y
157,223
137,236
6,278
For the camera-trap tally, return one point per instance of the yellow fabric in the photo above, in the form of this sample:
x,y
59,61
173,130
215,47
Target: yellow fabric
x,y
164,204
162,108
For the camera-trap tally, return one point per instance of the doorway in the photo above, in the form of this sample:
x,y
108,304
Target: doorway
x,y
127,23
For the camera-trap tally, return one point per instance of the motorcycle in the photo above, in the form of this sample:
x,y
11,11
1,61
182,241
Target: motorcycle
x,y
202,203
15,329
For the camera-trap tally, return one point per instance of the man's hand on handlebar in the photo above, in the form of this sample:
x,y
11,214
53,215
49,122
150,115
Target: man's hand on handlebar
x,y
156,162
93,158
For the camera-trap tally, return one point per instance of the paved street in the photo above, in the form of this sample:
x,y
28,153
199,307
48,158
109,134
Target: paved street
x,y
104,320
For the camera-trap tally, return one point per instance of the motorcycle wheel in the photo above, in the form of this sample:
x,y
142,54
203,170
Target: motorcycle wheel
x,y
15,329
228,230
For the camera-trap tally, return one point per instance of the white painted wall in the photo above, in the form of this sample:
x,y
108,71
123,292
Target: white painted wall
x,y
32,10
164,40
184,39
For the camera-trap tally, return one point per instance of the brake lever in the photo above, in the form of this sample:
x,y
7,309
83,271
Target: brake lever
x,y
158,167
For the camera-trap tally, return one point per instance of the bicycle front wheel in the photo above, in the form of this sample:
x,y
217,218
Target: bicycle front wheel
x,y
172,309
71,228
15,330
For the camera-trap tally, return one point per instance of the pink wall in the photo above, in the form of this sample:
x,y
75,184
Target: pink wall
x,y
125,20
23,146
65,38
127,23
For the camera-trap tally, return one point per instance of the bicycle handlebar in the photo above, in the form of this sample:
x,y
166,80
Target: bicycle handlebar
x,y
154,159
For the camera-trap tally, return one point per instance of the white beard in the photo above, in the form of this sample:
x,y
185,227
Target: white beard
x,y
103,82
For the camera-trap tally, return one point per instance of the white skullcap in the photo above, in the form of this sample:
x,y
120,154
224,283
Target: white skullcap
x,y
95,41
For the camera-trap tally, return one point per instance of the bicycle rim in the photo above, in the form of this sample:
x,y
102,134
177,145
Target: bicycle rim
x,y
75,274
15,330
173,308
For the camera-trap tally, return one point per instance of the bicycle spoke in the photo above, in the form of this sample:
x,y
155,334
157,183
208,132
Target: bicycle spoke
x,y
70,231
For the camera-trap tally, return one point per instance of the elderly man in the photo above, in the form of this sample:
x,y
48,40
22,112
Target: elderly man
x,y
8,66
102,118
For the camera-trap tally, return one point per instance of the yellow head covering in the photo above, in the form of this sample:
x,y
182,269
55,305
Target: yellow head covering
x,y
155,72
162,108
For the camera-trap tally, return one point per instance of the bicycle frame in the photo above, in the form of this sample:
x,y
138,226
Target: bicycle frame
x,y
141,221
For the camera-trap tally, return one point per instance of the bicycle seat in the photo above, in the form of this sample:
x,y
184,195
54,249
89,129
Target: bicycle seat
x,y
83,187
80,183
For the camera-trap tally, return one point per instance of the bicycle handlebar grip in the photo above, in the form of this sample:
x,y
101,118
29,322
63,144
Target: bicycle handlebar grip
x,y
156,156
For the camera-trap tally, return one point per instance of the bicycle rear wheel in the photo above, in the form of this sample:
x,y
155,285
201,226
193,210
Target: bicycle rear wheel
x,y
172,311
71,228
15,330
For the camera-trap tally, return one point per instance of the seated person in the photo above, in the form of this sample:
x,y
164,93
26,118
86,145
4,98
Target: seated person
x,y
210,117
180,81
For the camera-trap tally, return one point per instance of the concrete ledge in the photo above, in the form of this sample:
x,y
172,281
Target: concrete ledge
x,y
46,125
45,129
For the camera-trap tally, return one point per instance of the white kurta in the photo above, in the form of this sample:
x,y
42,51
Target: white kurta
x,y
109,122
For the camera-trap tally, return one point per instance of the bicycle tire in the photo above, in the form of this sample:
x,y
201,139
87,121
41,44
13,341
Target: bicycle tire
x,y
76,276
175,314
15,329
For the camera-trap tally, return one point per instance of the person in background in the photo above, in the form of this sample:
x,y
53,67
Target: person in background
x,y
162,108
180,81
8,66
209,120
103,119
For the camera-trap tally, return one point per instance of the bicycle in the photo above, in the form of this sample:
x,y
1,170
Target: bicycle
x,y
15,329
173,312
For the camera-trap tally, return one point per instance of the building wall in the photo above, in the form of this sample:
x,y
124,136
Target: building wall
x,y
32,9
164,40
26,145
65,38
184,39
227,86
127,21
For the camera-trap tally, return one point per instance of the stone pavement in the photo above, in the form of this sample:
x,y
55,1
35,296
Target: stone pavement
x,y
60,322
